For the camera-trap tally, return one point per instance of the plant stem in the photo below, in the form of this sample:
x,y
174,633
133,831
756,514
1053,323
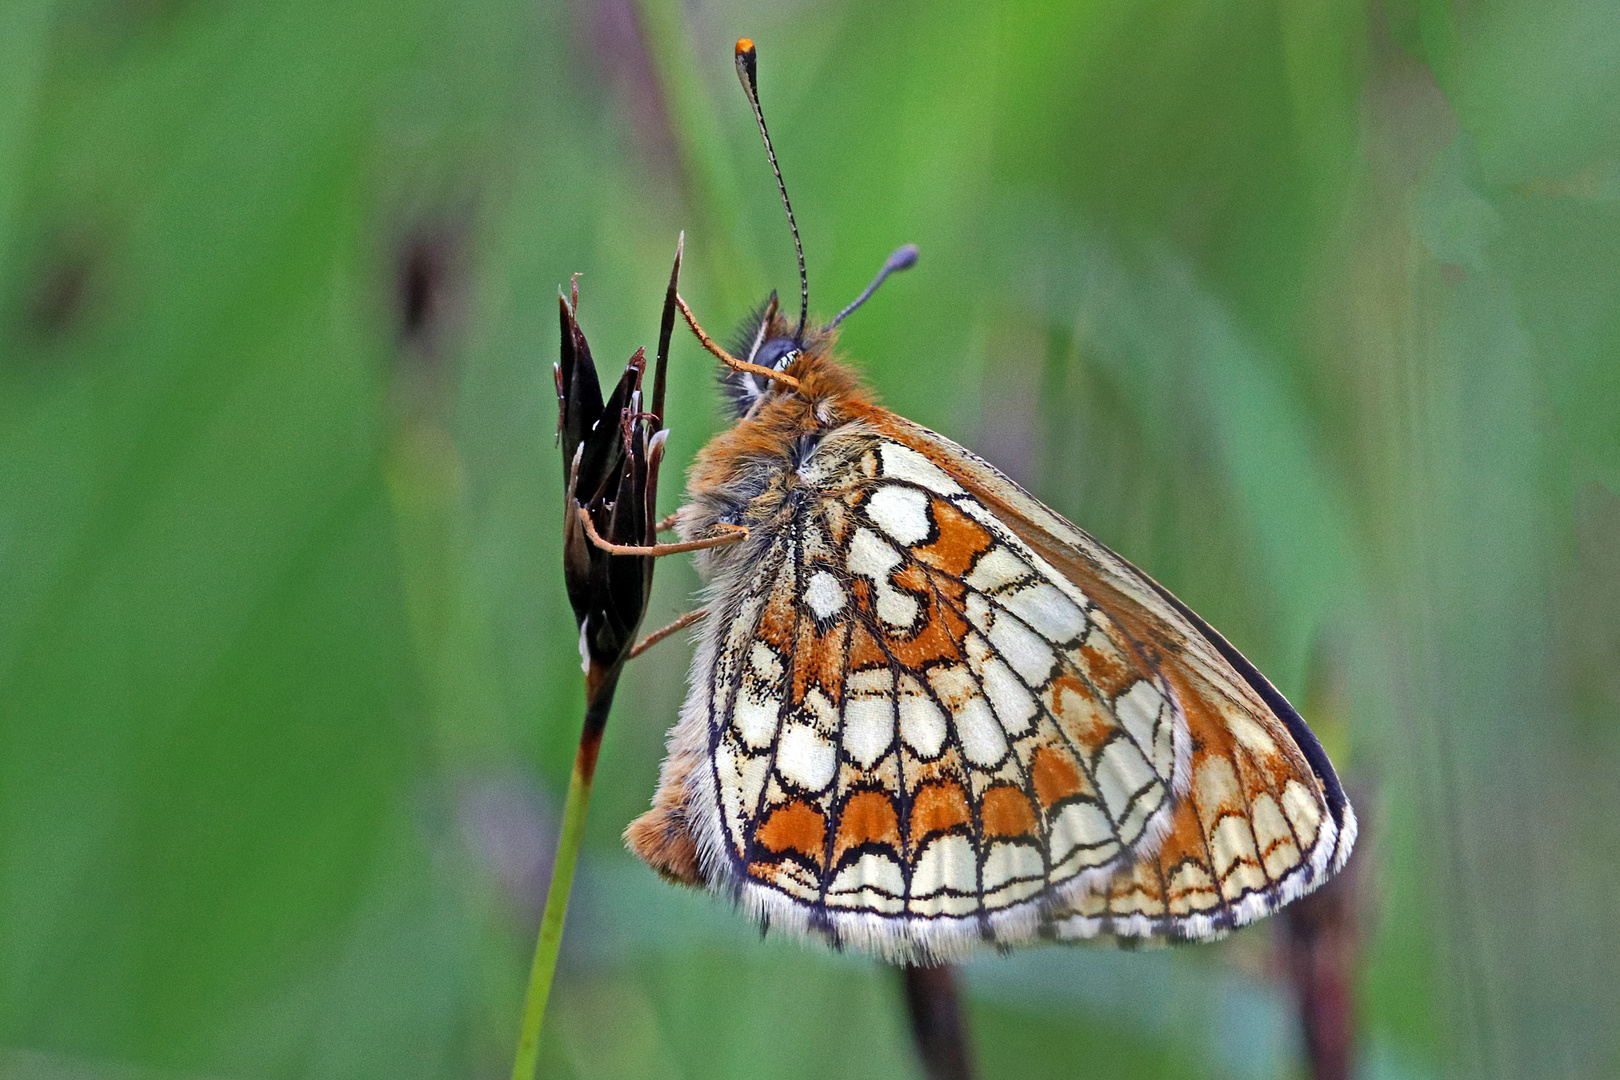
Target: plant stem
x,y
569,840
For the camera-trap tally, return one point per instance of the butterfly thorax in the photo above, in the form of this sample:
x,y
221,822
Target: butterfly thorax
x,y
753,474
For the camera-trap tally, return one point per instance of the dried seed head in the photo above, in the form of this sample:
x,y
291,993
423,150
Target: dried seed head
x,y
611,453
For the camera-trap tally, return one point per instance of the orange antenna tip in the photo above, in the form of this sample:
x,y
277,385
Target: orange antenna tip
x,y
744,45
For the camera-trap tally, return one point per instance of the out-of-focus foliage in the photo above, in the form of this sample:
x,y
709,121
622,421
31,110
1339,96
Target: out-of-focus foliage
x,y
1310,308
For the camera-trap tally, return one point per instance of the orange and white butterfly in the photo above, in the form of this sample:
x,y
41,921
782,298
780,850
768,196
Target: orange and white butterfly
x,y
927,713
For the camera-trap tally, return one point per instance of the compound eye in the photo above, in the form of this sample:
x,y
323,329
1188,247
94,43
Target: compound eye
x,y
778,353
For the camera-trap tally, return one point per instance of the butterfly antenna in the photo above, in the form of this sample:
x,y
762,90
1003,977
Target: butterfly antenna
x,y
904,258
748,73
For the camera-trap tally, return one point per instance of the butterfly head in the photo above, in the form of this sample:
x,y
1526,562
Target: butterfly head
x,y
770,340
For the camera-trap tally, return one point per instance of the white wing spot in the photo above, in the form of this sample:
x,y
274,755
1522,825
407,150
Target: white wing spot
x,y
983,740
954,685
767,665
872,881
1280,854
871,557
946,863
1188,881
872,681
904,463
1079,824
1138,710
742,778
820,708
922,725
997,569
1121,773
806,757
824,595
868,728
1230,843
1215,784
895,607
1249,732
1303,810
1014,704
902,512
1235,859
1009,862
1031,657
755,719
1047,611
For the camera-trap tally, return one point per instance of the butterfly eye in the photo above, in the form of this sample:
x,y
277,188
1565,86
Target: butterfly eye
x,y
777,353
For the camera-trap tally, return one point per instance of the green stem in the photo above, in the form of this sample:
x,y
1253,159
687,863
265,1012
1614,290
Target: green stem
x,y
551,921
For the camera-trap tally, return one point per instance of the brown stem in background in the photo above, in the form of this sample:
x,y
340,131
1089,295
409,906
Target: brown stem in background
x,y
1320,944
936,1021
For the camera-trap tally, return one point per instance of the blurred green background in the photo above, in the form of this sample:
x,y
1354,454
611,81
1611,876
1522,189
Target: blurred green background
x,y
1310,308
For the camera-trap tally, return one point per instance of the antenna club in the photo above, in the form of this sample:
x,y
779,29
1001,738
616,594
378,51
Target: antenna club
x,y
904,258
747,69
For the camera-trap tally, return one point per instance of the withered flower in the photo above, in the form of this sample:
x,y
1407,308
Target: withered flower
x,y
611,455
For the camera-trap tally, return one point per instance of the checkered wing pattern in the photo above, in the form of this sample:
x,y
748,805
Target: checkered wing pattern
x,y
916,720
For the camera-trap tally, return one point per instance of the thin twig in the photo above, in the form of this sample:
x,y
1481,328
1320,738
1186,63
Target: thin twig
x,y
599,686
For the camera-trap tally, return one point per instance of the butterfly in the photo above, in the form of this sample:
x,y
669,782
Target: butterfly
x,y
927,714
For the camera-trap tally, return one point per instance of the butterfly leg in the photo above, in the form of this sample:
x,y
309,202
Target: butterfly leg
x,y
733,534
666,525
664,631
726,358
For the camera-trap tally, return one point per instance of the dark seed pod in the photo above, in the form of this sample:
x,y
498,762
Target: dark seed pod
x,y
611,454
